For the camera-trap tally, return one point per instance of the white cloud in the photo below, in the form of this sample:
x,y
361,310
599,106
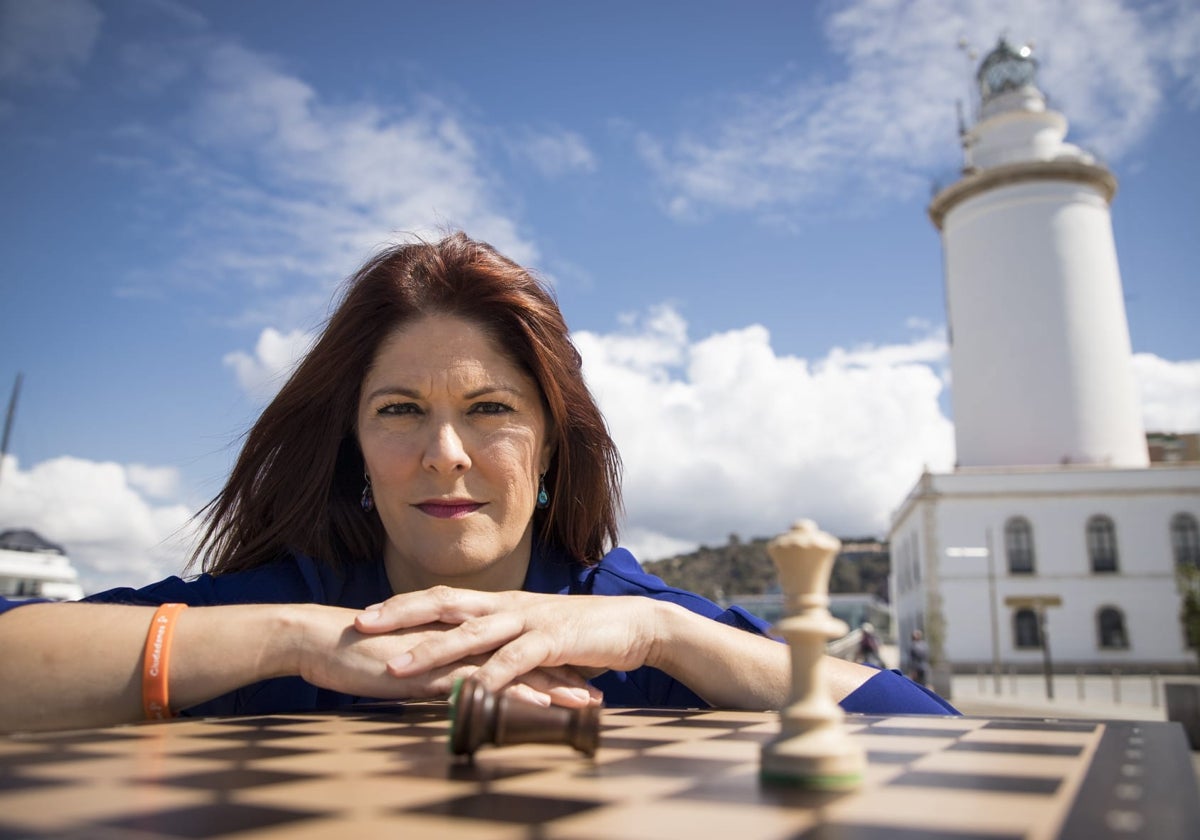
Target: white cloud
x,y
101,515
724,434
718,434
1170,393
350,174
289,191
46,43
555,153
647,544
155,482
276,354
1180,42
881,123
929,350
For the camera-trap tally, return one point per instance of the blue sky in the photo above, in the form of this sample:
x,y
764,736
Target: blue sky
x,y
729,199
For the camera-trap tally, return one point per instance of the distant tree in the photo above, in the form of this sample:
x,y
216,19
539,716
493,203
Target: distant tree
x,y
744,568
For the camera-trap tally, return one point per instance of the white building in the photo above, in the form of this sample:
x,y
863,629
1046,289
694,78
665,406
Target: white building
x,y
1053,513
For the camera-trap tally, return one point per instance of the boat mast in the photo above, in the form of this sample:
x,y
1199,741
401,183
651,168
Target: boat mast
x,y
8,419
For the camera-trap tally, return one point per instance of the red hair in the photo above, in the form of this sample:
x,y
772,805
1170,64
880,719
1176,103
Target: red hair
x,y
297,481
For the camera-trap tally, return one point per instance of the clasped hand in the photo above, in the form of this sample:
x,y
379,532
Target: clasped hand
x,y
539,645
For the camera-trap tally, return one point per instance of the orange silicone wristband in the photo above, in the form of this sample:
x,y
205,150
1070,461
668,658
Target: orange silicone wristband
x,y
156,660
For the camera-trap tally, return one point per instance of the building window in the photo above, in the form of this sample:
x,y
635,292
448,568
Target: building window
x,y
1018,545
1026,630
1110,626
1102,544
1185,540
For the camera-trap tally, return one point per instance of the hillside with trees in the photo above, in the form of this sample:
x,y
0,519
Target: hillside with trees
x,y
745,568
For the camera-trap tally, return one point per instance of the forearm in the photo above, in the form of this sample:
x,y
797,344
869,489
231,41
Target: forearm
x,y
732,668
70,665
728,667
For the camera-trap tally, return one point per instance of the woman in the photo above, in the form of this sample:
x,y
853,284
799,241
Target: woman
x,y
437,475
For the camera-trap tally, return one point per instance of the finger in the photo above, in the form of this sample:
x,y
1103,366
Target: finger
x,y
561,687
435,685
564,676
528,694
575,698
525,653
412,609
474,636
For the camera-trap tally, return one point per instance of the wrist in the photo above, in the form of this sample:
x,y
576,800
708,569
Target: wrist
x,y
156,662
287,640
664,632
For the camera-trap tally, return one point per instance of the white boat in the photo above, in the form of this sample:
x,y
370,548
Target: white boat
x,y
31,567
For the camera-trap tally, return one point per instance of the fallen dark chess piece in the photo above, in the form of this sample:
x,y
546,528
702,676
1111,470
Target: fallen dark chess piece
x,y
478,717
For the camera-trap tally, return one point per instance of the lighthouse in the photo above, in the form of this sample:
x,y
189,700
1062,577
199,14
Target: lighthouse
x,y
1053,531
1039,342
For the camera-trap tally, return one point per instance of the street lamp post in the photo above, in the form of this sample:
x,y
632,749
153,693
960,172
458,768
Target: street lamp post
x,y
1039,603
1047,668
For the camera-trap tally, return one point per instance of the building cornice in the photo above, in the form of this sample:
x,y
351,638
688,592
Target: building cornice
x,y
979,181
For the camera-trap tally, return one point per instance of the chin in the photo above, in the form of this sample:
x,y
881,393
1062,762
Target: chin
x,y
456,562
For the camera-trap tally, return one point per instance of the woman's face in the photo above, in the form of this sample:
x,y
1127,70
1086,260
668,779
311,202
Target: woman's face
x,y
454,437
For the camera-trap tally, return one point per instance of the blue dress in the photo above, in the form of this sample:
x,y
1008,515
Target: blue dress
x,y
299,579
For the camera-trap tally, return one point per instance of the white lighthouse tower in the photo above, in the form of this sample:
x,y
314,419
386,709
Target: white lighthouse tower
x,y
1039,343
1053,532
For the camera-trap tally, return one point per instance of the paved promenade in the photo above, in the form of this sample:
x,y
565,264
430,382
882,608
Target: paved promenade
x,y
1138,697
1096,697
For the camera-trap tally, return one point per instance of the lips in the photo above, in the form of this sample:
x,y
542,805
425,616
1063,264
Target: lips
x,y
448,510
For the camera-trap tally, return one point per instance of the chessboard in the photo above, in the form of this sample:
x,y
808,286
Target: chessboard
x,y
386,771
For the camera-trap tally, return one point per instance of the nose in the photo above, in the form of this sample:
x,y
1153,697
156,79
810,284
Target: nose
x,y
446,452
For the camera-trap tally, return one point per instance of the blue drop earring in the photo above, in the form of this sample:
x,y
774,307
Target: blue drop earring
x,y
543,498
367,502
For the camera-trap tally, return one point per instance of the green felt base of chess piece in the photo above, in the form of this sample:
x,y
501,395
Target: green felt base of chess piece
x,y
849,781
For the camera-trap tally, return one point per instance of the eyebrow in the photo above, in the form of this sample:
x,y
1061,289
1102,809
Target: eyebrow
x,y
400,391
494,389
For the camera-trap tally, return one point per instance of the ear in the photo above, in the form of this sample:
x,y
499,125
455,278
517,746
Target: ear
x,y
549,443
546,457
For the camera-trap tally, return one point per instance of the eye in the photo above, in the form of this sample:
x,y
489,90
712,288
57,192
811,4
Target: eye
x,y
491,408
398,409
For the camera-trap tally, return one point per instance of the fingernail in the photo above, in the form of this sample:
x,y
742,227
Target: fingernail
x,y
370,616
531,695
400,662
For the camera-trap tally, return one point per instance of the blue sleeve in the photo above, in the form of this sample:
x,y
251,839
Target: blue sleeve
x,y
283,582
619,573
6,605
892,693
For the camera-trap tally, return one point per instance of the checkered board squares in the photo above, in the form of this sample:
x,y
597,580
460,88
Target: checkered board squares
x,y
387,771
